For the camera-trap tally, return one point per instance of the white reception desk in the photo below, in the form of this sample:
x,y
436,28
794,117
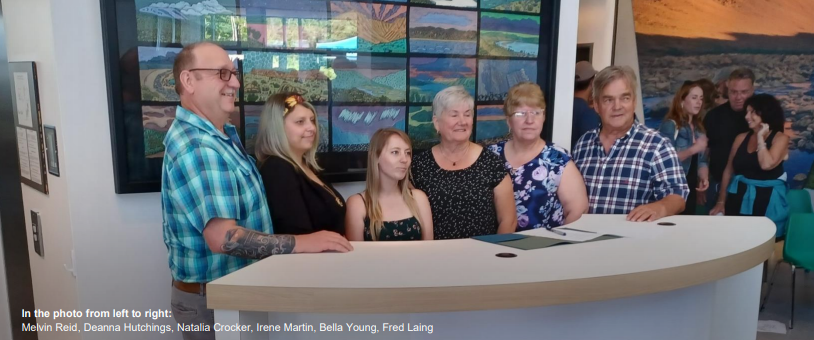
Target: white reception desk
x,y
696,280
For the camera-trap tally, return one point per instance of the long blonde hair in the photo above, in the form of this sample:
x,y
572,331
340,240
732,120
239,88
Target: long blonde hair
x,y
372,206
271,137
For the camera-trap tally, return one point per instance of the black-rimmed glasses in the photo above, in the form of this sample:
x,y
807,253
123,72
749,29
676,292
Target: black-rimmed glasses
x,y
225,74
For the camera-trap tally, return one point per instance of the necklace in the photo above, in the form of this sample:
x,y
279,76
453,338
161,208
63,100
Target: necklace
x,y
455,163
324,186
338,201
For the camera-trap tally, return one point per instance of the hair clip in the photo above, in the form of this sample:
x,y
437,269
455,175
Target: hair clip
x,y
291,102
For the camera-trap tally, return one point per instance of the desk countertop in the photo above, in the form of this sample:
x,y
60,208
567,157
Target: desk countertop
x,y
465,275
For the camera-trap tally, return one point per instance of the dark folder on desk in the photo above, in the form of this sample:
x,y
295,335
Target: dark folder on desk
x,y
526,242
497,238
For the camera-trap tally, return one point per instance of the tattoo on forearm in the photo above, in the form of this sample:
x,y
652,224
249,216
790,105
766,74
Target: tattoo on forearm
x,y
255,245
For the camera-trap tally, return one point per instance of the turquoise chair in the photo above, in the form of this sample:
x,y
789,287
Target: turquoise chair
x,y
799,203
798,250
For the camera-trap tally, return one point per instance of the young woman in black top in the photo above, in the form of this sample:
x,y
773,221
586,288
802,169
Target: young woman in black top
x,y
389,209
301,202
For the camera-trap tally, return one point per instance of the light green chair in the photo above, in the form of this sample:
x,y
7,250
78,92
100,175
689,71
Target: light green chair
x,y
798,250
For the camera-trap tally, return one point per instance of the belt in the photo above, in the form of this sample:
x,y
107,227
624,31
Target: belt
x,y
190,287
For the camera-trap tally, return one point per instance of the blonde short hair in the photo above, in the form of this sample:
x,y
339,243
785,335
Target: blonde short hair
x,y
450,96
525,93
271,137
611,74
742,73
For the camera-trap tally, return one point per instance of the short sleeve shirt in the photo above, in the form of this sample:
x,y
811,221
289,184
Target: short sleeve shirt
x,y
207,174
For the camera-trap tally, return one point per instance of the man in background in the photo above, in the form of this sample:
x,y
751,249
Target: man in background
x,y
585,118
720,79
723,124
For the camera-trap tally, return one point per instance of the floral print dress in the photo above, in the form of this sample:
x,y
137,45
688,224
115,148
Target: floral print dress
x,y
535,187
408,229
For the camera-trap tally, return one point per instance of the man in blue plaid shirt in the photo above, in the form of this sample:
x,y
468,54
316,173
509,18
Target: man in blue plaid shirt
x,y
628,168
216,219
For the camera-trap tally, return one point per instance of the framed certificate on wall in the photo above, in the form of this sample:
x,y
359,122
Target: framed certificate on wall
x,y
28,123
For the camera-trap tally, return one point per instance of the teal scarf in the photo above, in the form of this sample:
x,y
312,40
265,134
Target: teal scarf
x,y
778,209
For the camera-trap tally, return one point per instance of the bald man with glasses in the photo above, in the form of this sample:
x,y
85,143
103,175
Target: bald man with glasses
x,y
216,218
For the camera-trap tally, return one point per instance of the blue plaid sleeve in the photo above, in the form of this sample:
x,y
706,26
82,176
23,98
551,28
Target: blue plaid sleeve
x,y
204,187
667,175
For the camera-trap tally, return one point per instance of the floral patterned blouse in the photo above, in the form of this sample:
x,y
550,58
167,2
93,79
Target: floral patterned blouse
x,y
535,187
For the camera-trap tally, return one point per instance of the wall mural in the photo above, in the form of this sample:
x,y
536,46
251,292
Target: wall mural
x,y
365,65
682,40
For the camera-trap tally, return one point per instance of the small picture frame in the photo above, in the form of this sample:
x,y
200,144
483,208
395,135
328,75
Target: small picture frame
x,y
51,149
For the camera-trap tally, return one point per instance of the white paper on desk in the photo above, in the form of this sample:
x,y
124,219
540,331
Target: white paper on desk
x,y
22,148
23,98
571,235
34,156
640,230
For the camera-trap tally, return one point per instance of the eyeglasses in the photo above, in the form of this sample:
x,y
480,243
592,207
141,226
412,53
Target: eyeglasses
x,y
523,114
225,74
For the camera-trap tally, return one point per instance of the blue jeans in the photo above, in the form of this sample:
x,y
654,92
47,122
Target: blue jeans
x,y
712,193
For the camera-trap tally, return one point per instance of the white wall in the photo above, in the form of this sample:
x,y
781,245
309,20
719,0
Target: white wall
x,y
121,261
596,21
120,254
30,38
564,86
626,50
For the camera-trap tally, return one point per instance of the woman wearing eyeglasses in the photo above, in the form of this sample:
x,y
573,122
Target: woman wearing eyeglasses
x,y
301,202
548,187
468,188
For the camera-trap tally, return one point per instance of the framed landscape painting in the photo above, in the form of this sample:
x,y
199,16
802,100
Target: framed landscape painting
x,y
363,64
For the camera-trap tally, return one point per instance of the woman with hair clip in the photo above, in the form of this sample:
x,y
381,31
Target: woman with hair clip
x,y
389,209
683,126
301,202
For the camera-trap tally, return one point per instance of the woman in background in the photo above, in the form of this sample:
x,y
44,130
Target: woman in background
x,y
683,126
754,176
711,95
301,202
469,189
548,187
388,210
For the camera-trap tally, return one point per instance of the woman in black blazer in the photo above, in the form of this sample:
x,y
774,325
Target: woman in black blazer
x,y
301,202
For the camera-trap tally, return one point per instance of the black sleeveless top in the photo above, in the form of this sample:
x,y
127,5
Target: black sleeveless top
x,y
747,164
408,229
